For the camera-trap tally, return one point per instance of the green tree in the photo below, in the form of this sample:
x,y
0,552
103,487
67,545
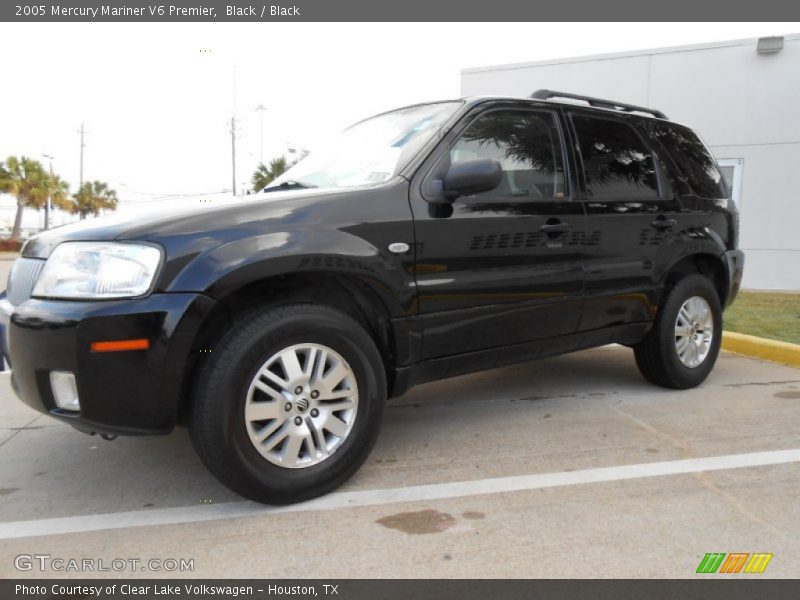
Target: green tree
x,y
93,197
31,184
264,175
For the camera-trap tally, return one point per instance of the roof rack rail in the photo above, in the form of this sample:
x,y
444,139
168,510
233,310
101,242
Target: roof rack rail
x,y
597,102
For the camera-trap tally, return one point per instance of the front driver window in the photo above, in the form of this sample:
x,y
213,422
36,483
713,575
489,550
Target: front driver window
x,y
528,147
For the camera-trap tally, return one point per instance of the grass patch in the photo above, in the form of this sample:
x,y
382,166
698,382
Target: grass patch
x,y
765,314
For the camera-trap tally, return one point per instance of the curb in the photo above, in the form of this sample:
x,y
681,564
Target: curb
x,y
757,347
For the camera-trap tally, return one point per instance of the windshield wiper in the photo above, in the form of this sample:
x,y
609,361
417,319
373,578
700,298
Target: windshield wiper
x,y
288,185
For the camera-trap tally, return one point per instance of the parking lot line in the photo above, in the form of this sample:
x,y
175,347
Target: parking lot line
x,y
338,500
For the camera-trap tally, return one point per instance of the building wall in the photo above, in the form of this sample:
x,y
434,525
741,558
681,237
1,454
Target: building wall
x,y
744,104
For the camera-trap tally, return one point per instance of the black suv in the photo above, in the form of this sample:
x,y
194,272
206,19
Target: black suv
x,y
426,242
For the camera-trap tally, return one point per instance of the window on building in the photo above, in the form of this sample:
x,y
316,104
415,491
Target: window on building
x,y
616,162
691,156
731,169
528,147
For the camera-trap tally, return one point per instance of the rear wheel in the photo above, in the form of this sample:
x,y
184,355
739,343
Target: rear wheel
x,y
681,348
289,404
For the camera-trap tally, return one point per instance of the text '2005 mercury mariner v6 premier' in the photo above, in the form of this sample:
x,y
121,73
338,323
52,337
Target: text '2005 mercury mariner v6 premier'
x,y
426,242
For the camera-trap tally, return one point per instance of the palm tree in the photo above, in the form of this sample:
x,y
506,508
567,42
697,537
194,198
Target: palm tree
x,y
93,197
26,179
58,189
264,174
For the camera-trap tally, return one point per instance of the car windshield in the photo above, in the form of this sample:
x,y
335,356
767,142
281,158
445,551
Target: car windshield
x,y
369,152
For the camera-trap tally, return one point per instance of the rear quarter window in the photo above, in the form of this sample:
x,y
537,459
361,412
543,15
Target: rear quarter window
x,y
697,166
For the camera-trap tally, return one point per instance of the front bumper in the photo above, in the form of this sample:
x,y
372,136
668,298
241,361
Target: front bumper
x,y
734,260
129,392
5,314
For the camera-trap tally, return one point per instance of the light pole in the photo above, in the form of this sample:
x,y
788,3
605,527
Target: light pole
x,y
47,206
233,133
260,110
82,131
233,154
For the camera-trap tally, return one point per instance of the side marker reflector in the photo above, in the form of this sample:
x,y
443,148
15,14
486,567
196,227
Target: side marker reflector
x,y
120,345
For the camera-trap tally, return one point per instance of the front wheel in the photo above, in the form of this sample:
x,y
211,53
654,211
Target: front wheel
x,y
289,404
682,347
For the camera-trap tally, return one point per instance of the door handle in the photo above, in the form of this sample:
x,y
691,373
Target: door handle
x,y
661,223
555,228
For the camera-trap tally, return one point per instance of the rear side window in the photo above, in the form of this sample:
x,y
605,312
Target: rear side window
x,y
616,162
691,156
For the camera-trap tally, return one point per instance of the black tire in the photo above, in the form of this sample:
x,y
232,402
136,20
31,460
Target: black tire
x,y
218,429
657,356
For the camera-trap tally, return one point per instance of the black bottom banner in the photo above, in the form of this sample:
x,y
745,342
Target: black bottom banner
x,y
412,589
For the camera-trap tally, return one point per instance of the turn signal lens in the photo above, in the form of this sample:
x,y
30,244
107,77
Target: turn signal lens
x,y
120,345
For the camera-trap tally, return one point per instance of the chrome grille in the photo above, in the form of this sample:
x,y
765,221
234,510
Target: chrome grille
x,y
22,278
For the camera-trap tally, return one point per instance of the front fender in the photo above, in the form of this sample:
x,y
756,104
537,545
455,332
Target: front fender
x,y
224,269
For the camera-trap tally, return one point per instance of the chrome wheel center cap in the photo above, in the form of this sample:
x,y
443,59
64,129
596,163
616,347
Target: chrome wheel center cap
x,y
302,404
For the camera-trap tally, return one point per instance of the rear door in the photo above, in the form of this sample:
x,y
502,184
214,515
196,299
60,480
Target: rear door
x,y
633,218
501,267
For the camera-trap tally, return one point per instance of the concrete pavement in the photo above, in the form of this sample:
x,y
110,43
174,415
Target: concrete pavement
x,y
543,423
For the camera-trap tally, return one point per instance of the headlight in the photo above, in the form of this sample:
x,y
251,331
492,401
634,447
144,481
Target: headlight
x,y
98,270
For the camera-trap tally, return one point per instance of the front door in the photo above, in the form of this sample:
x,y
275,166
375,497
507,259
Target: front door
x,y
502,267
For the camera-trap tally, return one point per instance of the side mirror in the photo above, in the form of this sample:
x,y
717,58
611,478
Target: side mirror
x,y
471,177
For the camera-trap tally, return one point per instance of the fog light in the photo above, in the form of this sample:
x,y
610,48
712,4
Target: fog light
x,y
65,390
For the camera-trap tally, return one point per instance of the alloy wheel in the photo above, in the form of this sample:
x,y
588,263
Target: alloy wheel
x,y
301,405
694,331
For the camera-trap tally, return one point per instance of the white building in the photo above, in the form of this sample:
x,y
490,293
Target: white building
x,y
742,97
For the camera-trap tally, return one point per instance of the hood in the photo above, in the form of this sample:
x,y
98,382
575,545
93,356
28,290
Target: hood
x,y
198,222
